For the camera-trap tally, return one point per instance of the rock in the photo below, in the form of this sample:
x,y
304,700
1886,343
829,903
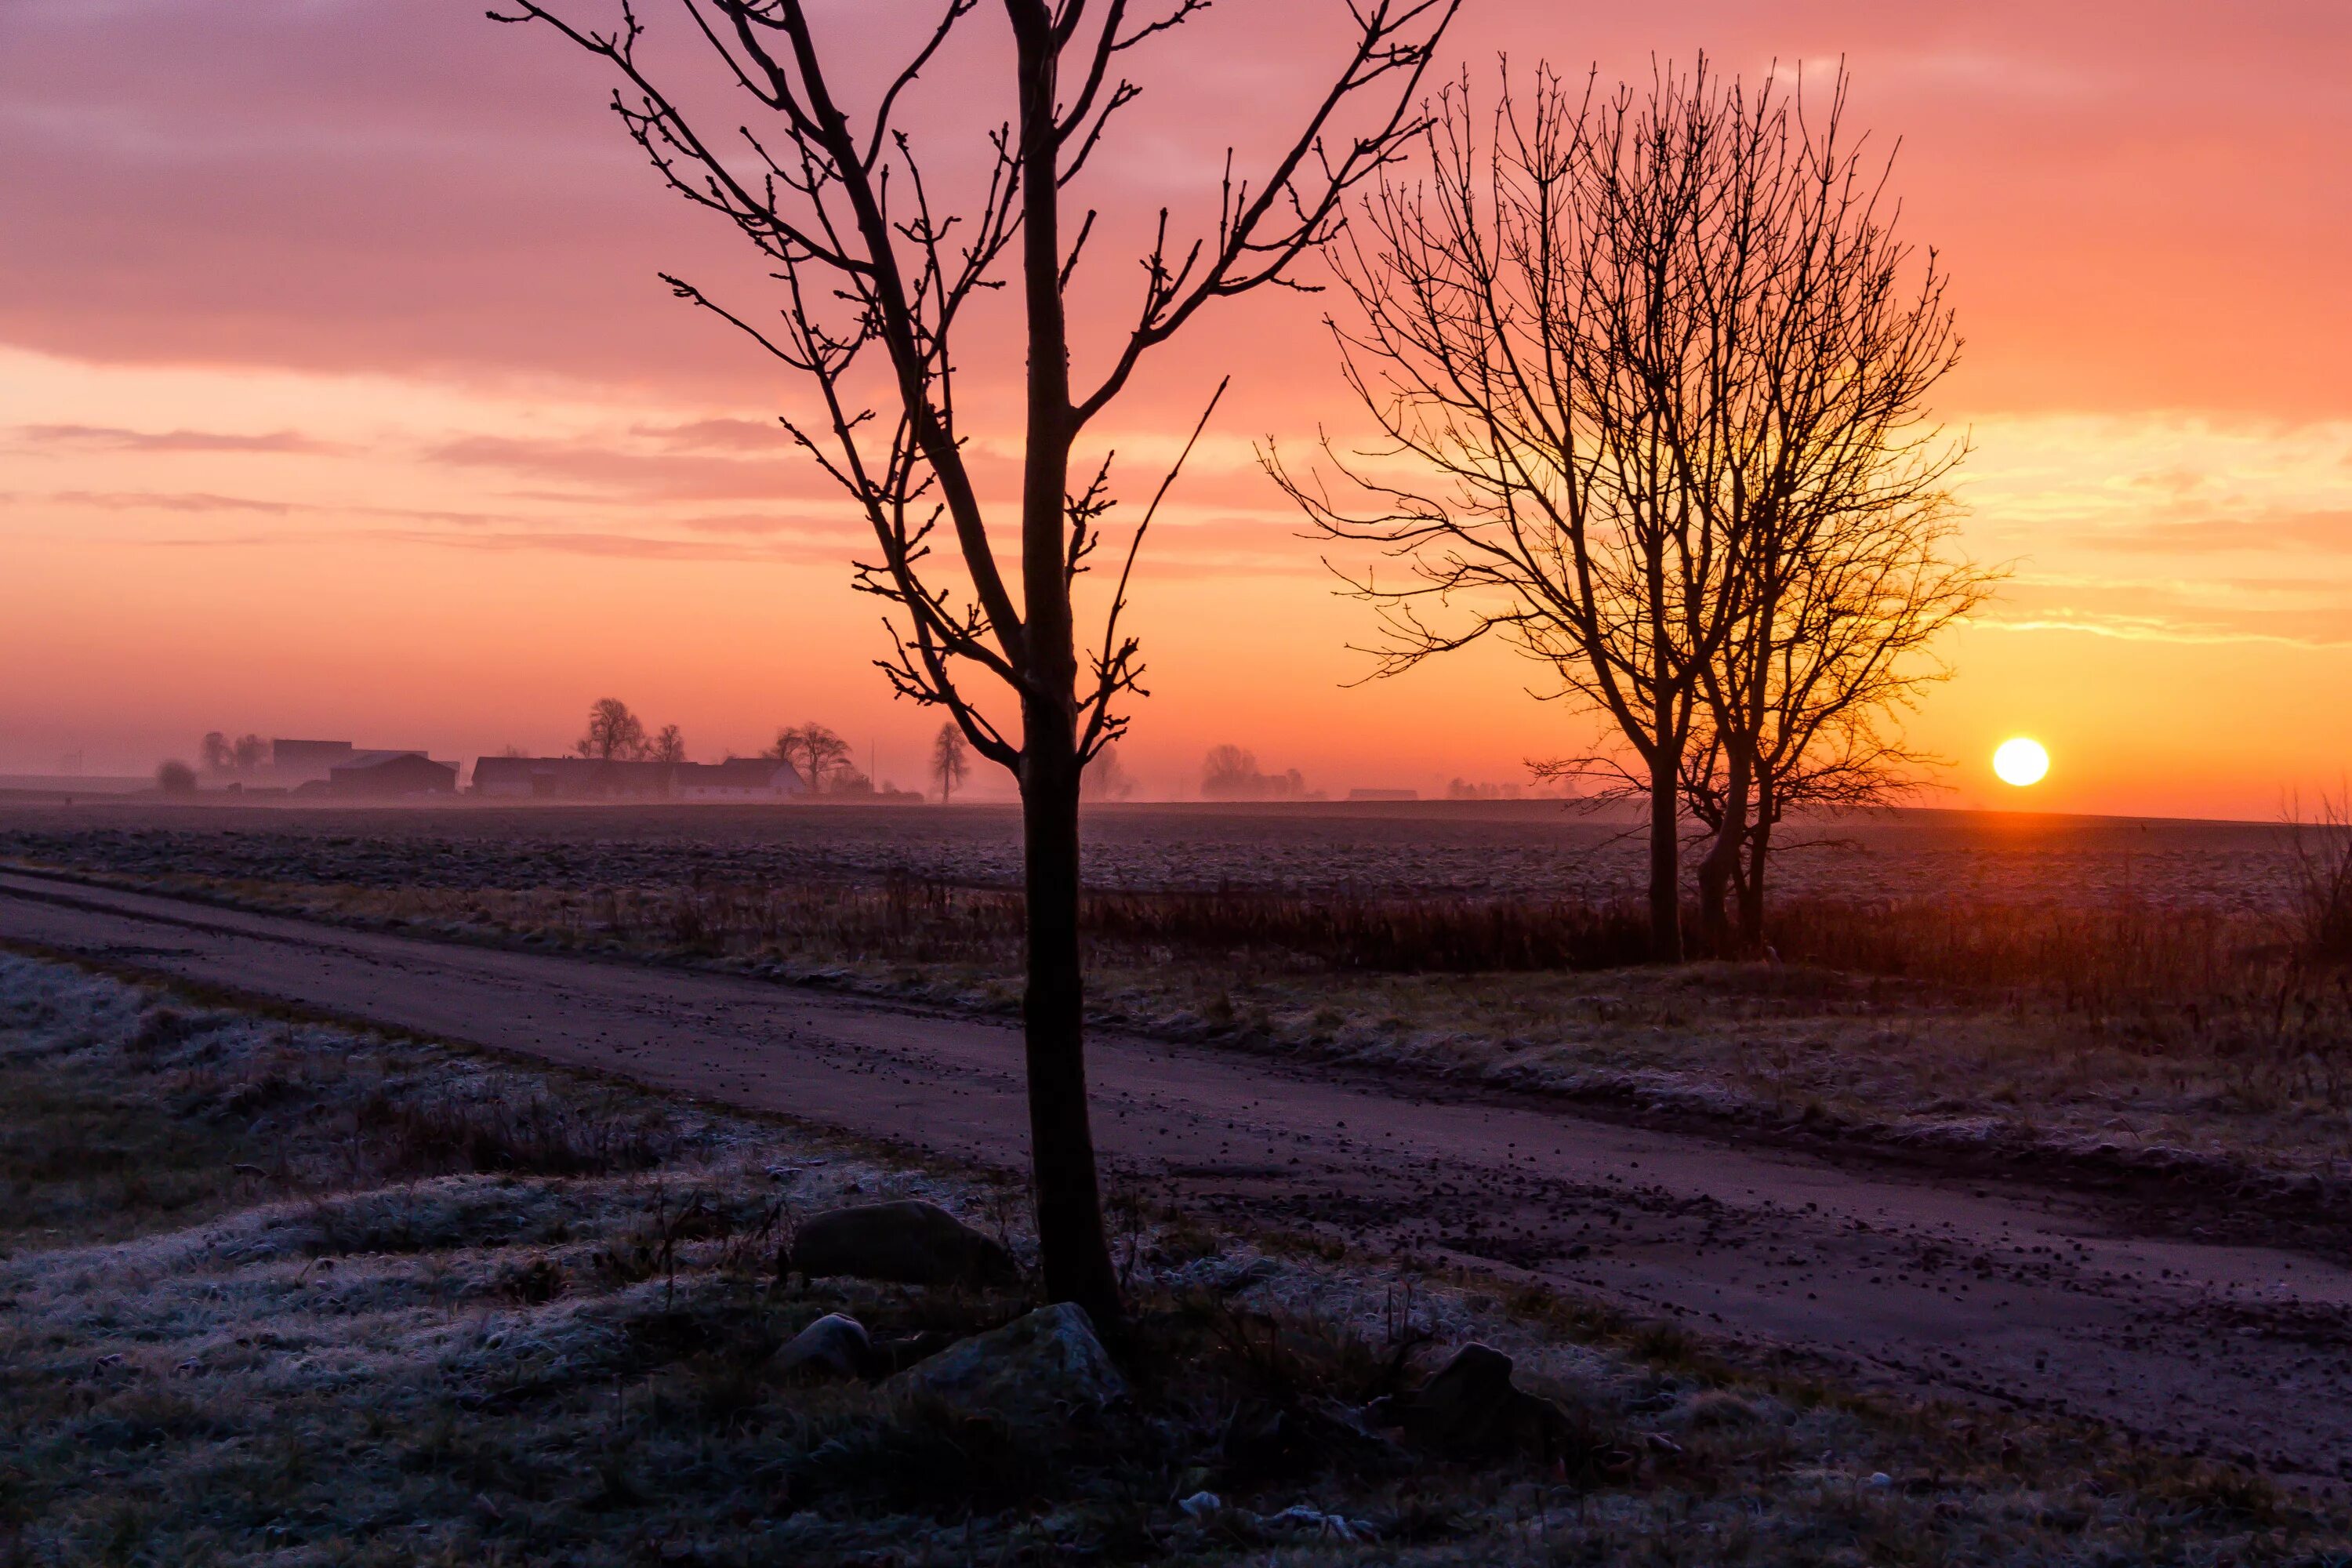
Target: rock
x,y
906,1243
1201,1505
834,1346
1471,1406
1300,1517
1034,1371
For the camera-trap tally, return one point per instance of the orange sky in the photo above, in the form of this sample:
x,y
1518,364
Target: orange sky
x,y
336,397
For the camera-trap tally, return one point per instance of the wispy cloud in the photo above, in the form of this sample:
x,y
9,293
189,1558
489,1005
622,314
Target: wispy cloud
x,y
206,501
2326,532
2149,628
116,439
624,546
717,435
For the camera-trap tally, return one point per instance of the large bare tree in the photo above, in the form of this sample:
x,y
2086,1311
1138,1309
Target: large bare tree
x,y
1549,335
874,261
1654,347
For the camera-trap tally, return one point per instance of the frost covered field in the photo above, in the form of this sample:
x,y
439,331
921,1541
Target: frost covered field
x,y
277,1292
1504,849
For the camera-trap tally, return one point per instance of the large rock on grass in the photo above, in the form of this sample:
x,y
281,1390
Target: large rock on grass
x,y
1035,1371
906,1243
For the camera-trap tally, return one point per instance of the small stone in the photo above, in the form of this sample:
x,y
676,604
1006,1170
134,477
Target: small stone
x,y
1879,1480
1201,1505
835,1346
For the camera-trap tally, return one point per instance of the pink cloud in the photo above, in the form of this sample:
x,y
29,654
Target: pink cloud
x,y
2145,204
114,440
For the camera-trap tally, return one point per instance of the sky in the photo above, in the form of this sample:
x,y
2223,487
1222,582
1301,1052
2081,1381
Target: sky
x,y
339,395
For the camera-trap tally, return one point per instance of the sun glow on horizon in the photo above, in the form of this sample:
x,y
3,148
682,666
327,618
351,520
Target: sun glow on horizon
x,y
2021,761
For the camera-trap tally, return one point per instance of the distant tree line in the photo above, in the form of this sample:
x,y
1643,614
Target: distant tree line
x,y
615,734
1230,772
220,756
817,752
821,758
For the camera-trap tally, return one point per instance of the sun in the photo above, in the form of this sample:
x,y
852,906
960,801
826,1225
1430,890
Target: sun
x,y
2021,761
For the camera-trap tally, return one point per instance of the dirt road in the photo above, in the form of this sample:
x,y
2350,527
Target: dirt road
x,y
2028,1297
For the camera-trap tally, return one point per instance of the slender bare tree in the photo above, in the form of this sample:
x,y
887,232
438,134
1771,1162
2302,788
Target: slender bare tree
x,y
1841,504
950,760
874,260
669,746
1804,711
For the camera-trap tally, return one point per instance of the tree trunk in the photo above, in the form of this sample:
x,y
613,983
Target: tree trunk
x,y
1061,1134
1752,887
1722,861
1061,1140
1665,866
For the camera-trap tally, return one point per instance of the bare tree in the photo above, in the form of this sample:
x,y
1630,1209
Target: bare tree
x,y
215,752
669,746
1106,778
176,778
613,734
821,755
1803,712
875,261
1844,522
1652,346
950,760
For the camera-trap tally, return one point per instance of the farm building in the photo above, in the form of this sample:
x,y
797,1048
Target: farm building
x,y
296,763
385,775
737,778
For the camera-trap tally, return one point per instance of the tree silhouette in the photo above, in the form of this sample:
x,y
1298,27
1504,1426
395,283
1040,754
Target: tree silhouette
x,y
879,268
1656,351
669,746
613,734
1229,772
950,760
821,755
1106,778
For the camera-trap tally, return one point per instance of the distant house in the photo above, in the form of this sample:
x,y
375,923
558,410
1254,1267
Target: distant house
x,y
593,778
737,778
386,775
570,778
